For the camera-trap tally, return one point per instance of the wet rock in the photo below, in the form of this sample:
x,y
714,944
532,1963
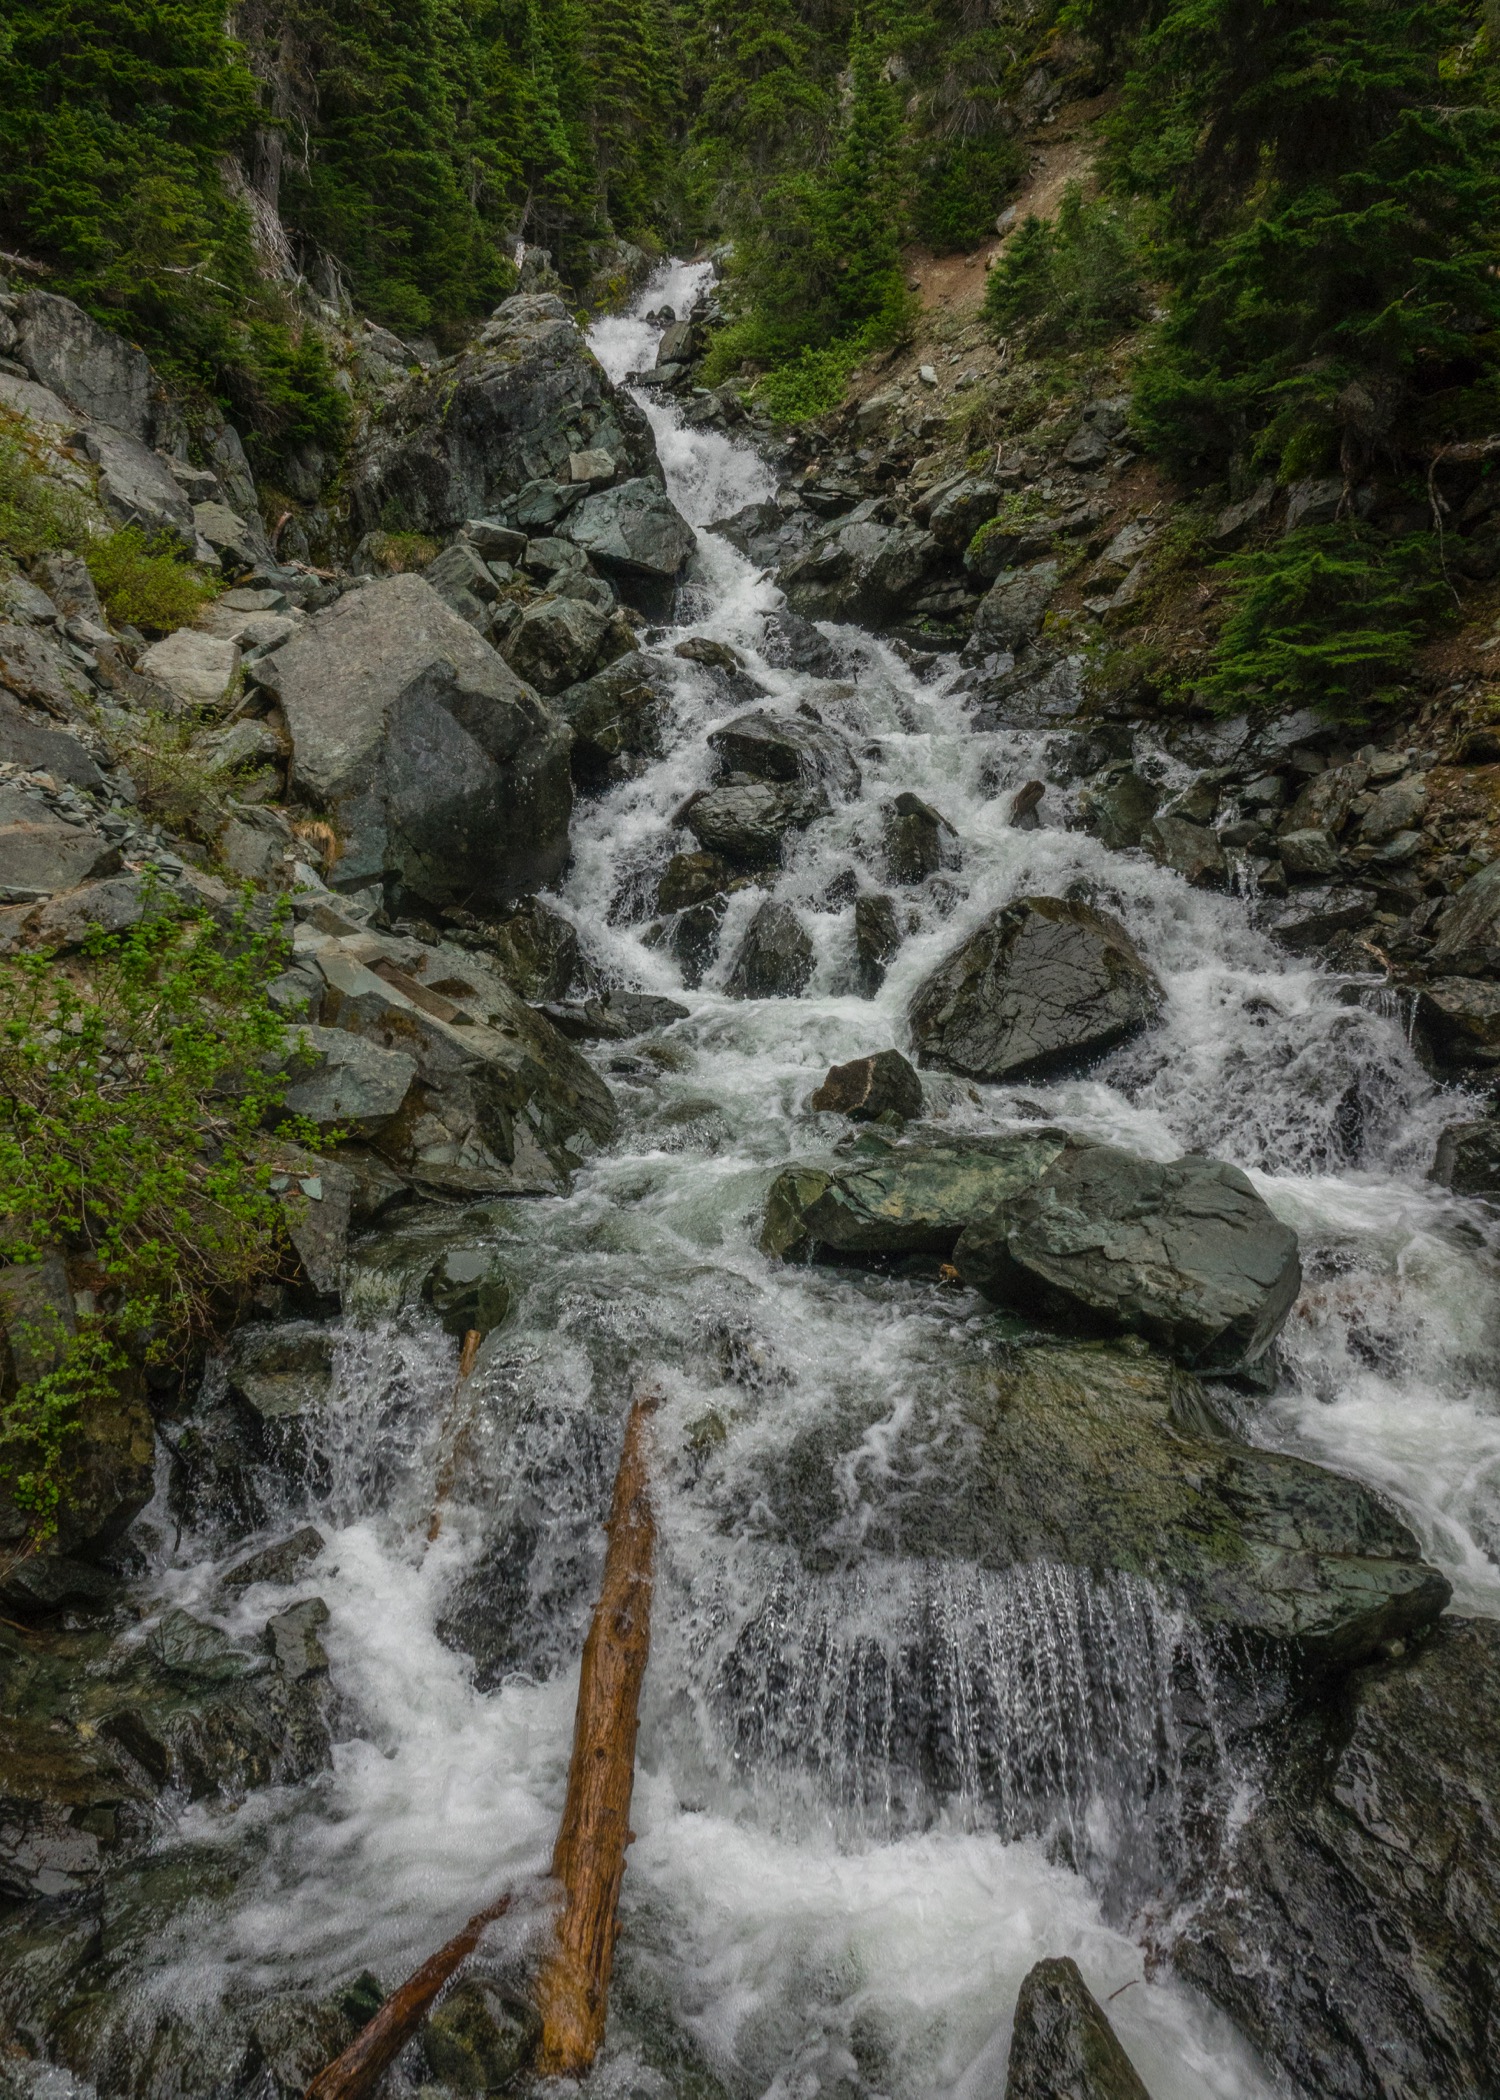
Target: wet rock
x,y
615,1018
748,825
1190,850
864,571
280,1562
1312,917
342,1081
701,649
617,717
1468,933
536,950
917,838
692,878
479,2038
1044,985
792,748
281,1373
436,764
317,1204
692,937
794,644
555,643
290,2039
41,747
292,1639
1307,855
1117,806
1458,1023
1468,1158
877,936
1355,1934
633,531
870,1087
1062,2047
1185,1253
468,1289
1012,610
915,1197
775,958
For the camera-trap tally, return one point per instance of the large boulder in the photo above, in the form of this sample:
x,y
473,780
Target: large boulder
x,y
455,442
136,488
616,717
342,1082
1468,1158
775,958
555,642
914,1196
868,1088
1469,929
40,855
437,765
1355,1933
1044,985
1184,1253
864,571
1013,608
748,825
632,530
1458,1023
795,748
40,747
101,375
1062,2046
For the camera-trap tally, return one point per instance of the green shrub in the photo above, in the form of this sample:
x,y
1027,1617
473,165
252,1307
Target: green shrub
x,y
145,583
175,784
1069,282
961,185
36,512
133,1091
1329,616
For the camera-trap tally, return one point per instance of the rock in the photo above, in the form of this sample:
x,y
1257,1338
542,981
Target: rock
x,y
1468,1158
258,845
864,571
463,581
1043,985
67,920
615,1018
478,2039
916,837
1312,917
237,543
468,1289
791,643
1468,933
281,1373
292,1638
1190,850
1307,854
198,670
34,668
98,373
536,951
693,878
135,487
317,1201
1117,805
1458,1022
633,530
700,649
40,855
775,958
793,748
1354,1935
461,442
1242,519
747,825
38,747
1013,608
59,1801
341,1081
914,1197
1061,2046
281,1562
617,718
1393,809
876,939
66,580
495,540
870,1087
1184,1253
1313,502
435,763
554,643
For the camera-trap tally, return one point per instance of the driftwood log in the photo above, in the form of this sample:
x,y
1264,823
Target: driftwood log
x,y
588,1860
456,1430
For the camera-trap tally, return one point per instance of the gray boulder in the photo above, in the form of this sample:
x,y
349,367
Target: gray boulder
x,y
40,855
911,1197
1186,1254
775,958
871,1087
1044,985
1117,805
438,766
748,825
468,1289
555,643
1013,608
1313,916
35,668
101,375
633,530
459,441
1354,1934
917,839
1458,1023
865,571
1468,934
794,748
66,921
1062,2047
136,488
1468,1158
1190,850
616,717
343,1082
876,939
41,747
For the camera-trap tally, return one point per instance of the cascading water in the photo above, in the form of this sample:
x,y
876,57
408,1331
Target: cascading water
x,y
871,1791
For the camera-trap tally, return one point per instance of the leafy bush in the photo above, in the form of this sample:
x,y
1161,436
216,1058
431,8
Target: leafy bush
x,y
1329,616
962,184
36,512
1070,282
132,1096
145,583
174,782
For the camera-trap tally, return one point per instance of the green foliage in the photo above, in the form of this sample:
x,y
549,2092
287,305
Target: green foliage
x,y
1069,282
36,512
1330,616
176,785
145,583
133,1093
961,185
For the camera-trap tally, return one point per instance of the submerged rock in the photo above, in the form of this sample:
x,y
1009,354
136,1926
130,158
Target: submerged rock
x,y
1044,985
1185,1253
876,939
912,1197
468,1289
1468,1158
1355,1937
775,958
479,2038
1062,2047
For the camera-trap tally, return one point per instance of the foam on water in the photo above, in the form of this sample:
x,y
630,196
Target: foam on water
x,y
817,1897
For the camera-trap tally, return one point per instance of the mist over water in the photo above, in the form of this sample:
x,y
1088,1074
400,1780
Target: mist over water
x,y
871,1792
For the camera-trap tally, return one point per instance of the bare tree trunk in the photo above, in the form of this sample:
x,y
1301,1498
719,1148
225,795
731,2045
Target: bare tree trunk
x,y
589,1858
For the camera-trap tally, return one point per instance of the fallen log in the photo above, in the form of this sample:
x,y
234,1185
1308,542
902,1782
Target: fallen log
x,y
589,1858
355,2074
455,1434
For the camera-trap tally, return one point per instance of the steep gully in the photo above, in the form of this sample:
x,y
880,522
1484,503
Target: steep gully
x,y
818,1905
